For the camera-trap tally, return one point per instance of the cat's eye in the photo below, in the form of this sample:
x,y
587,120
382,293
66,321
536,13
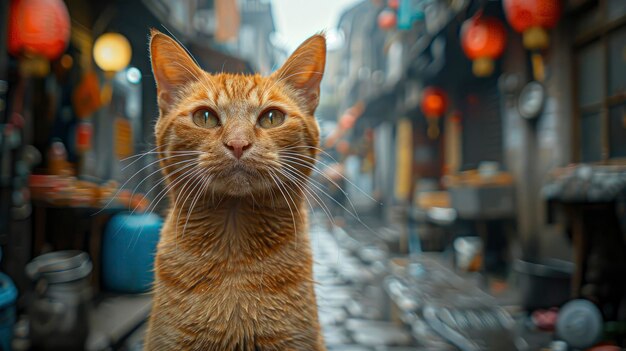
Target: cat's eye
x,y
205,118
271,119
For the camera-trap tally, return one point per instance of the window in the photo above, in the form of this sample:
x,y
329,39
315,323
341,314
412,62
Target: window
x,y
600,81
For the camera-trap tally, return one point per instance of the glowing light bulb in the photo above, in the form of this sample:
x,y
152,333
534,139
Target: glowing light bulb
x,y
112,52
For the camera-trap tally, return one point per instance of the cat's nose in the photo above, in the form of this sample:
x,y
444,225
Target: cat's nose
x,y
238,146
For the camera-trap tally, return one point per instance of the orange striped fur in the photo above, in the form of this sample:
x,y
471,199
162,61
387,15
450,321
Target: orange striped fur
x,y
234,264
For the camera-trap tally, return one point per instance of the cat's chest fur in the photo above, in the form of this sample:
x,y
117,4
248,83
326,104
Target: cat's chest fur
x,y
234,247
234,277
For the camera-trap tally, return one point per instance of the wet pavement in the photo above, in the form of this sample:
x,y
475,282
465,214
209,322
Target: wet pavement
x,y
372,299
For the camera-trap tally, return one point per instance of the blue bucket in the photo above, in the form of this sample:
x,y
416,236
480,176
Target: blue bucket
x,y
128,249
8,295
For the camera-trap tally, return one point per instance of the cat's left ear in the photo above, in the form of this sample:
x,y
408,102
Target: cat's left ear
x,y
172,66
304,69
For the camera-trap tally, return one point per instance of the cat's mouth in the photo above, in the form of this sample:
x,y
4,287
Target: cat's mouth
x,y
237,179
241,168
244,177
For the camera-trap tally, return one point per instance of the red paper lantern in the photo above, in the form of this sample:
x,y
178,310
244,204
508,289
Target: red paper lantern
x,y
38,27
434,105
387,19
532,18
434,102
84,135
483,40
347,120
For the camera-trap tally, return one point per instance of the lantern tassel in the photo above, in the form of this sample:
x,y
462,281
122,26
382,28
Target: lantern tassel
x,y
433,128
538,67
483,66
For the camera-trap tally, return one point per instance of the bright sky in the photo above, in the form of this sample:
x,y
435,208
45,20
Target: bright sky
x,y
296,20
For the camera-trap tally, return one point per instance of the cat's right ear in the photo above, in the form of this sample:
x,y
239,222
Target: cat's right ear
x,y
172,67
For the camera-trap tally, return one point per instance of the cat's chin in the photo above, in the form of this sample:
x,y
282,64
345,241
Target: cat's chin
x,y
239,182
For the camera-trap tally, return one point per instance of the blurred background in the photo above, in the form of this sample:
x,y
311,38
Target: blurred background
x,y
471,196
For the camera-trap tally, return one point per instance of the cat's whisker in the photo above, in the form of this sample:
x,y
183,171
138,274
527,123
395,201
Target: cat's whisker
x,y
219,175
203,183
306,181
251,193
164,192
289,147
140,155
154,147
305,188
122,187
206,188
269,189
277,182
296,174
193,179
161,169
312,167
145,153
156,201
325,193
293,201
159,160
355,216
187,176
188,167
335,172
298,193
152,152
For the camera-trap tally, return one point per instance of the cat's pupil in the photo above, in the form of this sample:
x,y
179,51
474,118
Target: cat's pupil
x,y
206,117
271,118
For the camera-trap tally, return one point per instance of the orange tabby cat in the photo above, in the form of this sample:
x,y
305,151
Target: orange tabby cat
x,y
234,264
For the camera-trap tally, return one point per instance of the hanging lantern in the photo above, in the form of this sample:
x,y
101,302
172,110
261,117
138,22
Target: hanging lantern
x,y
434,105
38,27
349,117
112,52
84,135
483,40
387,19
532,18
347,120
434,102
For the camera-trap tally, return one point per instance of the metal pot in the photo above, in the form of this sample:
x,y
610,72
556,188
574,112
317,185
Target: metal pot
x,y
544,283
59,311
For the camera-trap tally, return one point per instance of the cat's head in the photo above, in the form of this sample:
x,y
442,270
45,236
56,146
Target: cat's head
x,y
236,134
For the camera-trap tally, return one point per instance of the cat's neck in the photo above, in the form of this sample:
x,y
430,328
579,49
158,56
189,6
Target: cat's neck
x,y
244,224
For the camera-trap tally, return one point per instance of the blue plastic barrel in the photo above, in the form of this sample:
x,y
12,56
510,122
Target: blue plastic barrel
x,y
8,295
128,249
